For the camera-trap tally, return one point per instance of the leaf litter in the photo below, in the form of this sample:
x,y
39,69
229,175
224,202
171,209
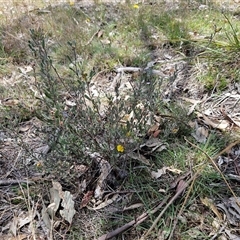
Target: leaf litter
x,y
211,115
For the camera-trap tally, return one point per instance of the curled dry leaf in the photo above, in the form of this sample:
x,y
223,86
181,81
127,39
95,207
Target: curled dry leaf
x,y
163,171
105,203
231,207
57,195
57,186
105,169
215,123
55,202
68,207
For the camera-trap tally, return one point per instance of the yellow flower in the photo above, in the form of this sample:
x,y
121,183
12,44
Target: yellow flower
x,y
71,2
120,148
135,6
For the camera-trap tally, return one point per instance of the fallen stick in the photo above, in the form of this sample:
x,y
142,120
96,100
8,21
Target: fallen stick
x,y
5,182
138,69
133,223
181,187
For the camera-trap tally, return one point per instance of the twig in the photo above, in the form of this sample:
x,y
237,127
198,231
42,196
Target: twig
x,y
181,209
181,188
14,181
138,69
91,39
133,223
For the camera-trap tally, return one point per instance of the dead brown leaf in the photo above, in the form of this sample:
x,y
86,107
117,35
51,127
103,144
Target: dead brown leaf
x,y
210,204
216,123
86,199
152,129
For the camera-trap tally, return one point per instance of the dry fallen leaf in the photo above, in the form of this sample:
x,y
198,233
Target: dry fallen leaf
x,y
105,203
232,210
26,219
194,102
156,133
215,123
201,133
57,195
57,186
154,144
86,199
26,69
152,129
79,169
210,204
163,170
45,216
14,226
133,206
105,169
159,172
68,207
54,202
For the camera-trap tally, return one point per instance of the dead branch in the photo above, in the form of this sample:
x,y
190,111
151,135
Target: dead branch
x,y
138,69
133,223
5,182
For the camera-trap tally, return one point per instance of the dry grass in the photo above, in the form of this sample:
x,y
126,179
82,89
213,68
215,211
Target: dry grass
x,y
48,109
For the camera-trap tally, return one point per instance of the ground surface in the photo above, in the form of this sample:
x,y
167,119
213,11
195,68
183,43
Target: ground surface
x,y
165,132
